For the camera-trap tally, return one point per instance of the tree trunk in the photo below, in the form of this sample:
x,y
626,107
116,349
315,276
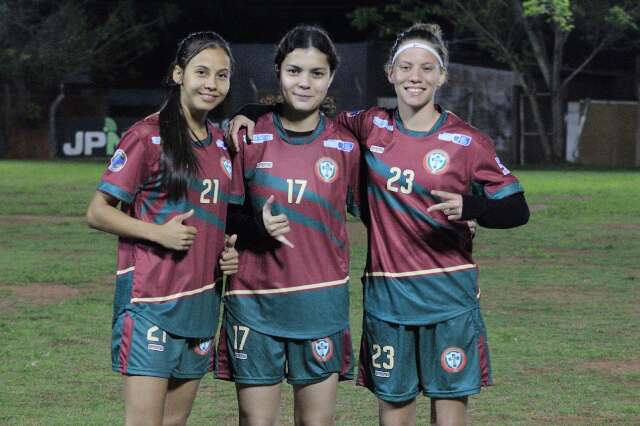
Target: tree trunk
x,y
637,84
545,143
6,120
557,111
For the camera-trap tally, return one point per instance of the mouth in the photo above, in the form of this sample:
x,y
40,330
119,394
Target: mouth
x,y
302,98
415,90
208,97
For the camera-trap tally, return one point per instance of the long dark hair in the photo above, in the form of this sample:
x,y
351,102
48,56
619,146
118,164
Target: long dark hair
x,y
179,162
304,37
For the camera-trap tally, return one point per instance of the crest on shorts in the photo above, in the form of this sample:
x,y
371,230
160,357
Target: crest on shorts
x,y
118,160
226,166
453,359
322,349
203,347
327,169
436,161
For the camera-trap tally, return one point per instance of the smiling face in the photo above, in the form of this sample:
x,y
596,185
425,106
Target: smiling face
x,y
204,82
416,76
305,77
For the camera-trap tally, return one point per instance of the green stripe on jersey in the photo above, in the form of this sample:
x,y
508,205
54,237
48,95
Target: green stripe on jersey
x,y
267,180
423,299
115,191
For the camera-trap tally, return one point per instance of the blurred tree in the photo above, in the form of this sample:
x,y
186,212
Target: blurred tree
x,y
44,42
530,36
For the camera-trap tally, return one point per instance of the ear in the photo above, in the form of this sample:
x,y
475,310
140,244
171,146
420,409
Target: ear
x,y
388,70
443,77
177,75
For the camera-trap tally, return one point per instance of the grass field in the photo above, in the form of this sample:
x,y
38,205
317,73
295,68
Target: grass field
x,y
561,298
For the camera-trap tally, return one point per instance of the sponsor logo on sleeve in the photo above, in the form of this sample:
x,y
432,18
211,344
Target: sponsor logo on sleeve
x,y
118,160
226,166
504,169
262,137
354,113
322,349
327,169
453,360
339,145
382,123
457,138
156,140
377,149
436,161
264,165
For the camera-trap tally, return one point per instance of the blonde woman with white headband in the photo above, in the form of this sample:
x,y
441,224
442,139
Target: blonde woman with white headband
x,y
427,173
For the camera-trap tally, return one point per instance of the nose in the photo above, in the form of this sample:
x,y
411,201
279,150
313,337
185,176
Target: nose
x,y
211,83
304,80
416,75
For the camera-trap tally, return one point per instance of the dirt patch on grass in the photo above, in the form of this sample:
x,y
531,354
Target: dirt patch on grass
x,y
538,207
616,367
43,293
37,219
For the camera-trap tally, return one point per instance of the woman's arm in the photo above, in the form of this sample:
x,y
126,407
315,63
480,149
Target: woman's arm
x,y
103,215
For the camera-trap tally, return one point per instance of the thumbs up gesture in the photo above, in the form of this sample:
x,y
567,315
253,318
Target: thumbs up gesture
x,y
174,235
277,225
229,258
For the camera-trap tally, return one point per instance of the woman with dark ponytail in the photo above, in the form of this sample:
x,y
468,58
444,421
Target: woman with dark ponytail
x,y
171,175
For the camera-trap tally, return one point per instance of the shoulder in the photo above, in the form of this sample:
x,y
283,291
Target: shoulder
x,y
460,132
339,137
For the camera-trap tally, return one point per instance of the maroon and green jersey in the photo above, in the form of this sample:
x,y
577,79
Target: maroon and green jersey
x,y
419,268
178,291
299,292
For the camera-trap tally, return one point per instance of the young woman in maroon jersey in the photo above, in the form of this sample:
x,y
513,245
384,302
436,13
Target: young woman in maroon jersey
x,y
427,173
286,310
171,174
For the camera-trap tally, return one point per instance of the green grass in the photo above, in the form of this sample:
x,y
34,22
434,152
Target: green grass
x,y
561,298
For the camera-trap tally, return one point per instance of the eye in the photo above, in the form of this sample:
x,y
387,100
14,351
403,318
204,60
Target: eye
x,y
223,76
318,74
292,71
403,67
200,73
428,68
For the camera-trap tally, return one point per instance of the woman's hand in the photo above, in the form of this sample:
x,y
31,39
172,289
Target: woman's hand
x,y
237,123
229,258
451,204
174,235
277,225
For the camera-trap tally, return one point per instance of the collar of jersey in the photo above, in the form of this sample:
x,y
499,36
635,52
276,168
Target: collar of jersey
x,y
304,140
415,133
201,143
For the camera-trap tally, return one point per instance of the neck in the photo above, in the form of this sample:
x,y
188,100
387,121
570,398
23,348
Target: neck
x,y
420,119
299,121
196,122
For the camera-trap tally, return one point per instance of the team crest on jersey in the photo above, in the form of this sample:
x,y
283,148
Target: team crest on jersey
x,y
156,140
327,169
226,166
118,160
382,123
322,349
453,359
436,161
504,169
203,347
457,138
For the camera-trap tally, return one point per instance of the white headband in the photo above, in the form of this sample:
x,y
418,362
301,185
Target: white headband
x,y
419,46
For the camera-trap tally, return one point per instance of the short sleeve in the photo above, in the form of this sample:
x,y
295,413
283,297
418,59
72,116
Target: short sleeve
x,y
128,168
490,177
356,122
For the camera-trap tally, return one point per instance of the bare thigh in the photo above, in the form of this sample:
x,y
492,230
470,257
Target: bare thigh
x,y
179,401
449,412
258,405
144,400
315,404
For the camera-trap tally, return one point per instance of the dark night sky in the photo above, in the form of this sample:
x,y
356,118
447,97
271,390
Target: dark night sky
x,y
264,21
